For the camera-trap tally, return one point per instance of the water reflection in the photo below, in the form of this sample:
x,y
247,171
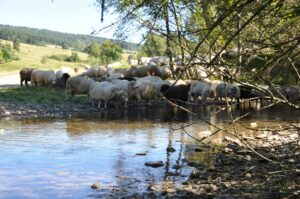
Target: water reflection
x,y
61,158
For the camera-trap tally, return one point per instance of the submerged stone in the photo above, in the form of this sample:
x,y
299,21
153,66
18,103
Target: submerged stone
x,y
154,164
96,185
170,149
141,154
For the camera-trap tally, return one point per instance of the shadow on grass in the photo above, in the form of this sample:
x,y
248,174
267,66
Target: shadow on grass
x,y
40,95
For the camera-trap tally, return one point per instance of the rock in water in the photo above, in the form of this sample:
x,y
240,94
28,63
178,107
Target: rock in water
x,y
154,164
170,149
95,185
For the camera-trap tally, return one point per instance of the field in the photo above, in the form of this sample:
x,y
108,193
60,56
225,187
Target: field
x,y
34,57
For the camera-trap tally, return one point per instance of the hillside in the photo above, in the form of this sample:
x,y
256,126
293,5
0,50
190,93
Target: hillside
x,y
34,56
44,37
38,57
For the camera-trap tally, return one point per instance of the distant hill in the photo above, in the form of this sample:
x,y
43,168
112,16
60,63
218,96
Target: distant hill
x,y
66,40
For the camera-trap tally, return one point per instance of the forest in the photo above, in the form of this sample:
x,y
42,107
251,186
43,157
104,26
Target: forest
x,y
43,37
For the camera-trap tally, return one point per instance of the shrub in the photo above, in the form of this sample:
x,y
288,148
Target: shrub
x,y
7,53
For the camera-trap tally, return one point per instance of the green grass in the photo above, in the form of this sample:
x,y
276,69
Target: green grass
x,y
37,57
31,56
40,95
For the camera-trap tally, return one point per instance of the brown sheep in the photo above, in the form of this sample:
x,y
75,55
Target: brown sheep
x,y
25,75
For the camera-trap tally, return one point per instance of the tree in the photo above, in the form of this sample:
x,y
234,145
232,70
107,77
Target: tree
x,y
154,46
16,44
212,28
93,50
110,52
104,53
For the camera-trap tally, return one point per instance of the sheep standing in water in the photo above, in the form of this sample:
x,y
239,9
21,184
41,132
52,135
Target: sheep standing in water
x,y
177,94
200,89
105,91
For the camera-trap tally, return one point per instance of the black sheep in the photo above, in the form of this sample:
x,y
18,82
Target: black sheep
x,y
61,82
178,94
127,78
246,92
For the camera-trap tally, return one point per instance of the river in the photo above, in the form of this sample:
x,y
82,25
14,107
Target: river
x,y
62,158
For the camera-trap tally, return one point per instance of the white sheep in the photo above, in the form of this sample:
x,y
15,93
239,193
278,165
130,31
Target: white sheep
x,y
96,73
43,77
106,91
152,84
223,89
202,89
145,60
59,74
78,85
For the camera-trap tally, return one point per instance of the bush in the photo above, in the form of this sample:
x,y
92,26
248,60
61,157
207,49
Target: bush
x,y
44,60
16,44
72,58
60,57
7,53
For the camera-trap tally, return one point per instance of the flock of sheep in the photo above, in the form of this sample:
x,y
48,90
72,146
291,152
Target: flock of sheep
x,y
108,86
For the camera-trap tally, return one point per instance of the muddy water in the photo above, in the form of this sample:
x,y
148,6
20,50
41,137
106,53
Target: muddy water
x,y
62,158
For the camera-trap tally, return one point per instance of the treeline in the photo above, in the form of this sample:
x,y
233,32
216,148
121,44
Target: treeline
x,y
66,40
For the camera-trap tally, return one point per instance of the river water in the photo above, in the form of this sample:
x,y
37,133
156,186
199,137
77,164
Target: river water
x,y
62,158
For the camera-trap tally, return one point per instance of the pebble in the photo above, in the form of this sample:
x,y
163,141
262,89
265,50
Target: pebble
x,y
154,164
96,185
248,175
170,149
253,124
141,154
227,150
176,166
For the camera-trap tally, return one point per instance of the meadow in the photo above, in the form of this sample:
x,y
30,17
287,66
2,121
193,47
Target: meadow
x,y
37,57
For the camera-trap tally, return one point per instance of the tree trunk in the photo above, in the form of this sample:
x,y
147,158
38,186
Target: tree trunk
x,y
169,50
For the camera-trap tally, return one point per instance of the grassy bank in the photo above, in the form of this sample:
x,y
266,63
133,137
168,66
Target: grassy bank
x,y
40,95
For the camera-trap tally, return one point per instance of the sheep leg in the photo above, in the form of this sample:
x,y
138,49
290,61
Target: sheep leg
x,y
99,104
204,100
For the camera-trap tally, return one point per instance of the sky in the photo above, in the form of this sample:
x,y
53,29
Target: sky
x,y
70,16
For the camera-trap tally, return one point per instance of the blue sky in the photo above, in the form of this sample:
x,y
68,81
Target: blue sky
x,y
71,16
